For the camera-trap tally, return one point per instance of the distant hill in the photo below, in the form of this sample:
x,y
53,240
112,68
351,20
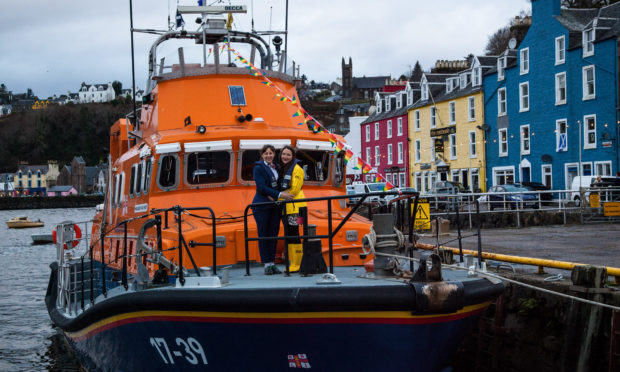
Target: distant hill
x,y
58,133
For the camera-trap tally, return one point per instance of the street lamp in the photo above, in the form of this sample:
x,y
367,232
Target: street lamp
x,y
579,171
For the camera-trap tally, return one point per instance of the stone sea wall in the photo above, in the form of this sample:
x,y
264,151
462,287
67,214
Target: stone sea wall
x,y
41,202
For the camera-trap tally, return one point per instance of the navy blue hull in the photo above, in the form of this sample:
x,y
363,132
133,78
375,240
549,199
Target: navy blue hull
x,y
177,345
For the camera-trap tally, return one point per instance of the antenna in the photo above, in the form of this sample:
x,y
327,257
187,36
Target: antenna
x,y
252,4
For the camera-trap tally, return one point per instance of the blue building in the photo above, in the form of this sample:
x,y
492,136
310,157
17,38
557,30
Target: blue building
x,y
551,104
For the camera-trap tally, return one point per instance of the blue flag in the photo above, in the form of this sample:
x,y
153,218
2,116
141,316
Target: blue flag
x,y
180,21
562,143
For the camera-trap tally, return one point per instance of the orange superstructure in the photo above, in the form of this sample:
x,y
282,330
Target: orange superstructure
x,y
195,145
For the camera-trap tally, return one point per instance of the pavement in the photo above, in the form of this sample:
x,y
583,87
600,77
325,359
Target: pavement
x,y
593,244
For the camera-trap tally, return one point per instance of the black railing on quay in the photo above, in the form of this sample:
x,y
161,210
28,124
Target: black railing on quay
x,y
407,195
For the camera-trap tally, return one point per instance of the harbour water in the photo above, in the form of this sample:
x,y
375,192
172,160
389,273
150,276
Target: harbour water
x,y
28,340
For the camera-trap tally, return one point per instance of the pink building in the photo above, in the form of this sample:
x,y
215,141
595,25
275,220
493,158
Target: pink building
x,y
61,191
384,138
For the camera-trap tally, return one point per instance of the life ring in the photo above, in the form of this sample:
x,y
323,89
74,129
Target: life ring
x,y
76,241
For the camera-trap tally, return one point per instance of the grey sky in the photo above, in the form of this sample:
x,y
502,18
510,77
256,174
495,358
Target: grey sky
x,y
52,46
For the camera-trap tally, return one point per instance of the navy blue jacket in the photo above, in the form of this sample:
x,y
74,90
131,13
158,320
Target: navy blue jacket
x,y
266,184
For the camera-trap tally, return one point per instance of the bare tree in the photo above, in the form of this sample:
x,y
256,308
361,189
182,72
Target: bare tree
x,y
587,3
498,42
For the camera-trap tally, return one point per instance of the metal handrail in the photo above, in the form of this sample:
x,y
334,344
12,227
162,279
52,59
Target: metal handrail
x,y
330,235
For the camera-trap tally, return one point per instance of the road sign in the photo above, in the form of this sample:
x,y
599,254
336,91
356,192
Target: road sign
x,y
422,215
611,209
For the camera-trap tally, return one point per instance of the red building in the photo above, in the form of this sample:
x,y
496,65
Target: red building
x,y
384,138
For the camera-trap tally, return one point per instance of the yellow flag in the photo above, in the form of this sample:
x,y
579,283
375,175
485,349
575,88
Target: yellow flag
x,y
230,21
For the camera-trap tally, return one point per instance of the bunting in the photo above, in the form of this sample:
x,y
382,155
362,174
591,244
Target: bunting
x,y
305,118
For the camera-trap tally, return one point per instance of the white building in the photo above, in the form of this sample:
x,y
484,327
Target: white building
x,y
5,110
129,93
354,139
96,93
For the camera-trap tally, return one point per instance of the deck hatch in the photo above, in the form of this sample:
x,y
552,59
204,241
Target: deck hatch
x,y
237,95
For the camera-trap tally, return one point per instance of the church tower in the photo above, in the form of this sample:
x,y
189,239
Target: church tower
x,y
347,79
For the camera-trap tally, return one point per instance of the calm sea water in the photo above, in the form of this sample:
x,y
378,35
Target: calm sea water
x,y
28,340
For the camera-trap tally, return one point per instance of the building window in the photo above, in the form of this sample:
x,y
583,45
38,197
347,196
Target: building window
x,y
586,169
388,177
503,142
525,139
503,175
376,131
400,153
418,181
560,88
588,42
377,156
423,89
453,146
476,74
501,65
389,153
452,106
501,102
433,116
399,127
388,104
389,129
589,132
524,61
472,144
433,149
475,180
401,179
524,96
416,120
418,151
409,98
602,168
368,133
561,139
589,91
368,155
560,50
547,178
379,104
471,109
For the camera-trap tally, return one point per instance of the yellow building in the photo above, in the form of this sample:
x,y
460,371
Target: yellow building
x,y
33,179
446,127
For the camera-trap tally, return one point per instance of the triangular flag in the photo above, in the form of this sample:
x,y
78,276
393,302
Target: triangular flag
x,y
297,113
388,186
347,156
359,165
366,168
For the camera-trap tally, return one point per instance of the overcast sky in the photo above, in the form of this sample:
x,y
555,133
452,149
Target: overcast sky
x,y
53,46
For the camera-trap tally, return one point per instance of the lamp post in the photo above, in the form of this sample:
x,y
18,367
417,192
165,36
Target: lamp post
x,y
579,170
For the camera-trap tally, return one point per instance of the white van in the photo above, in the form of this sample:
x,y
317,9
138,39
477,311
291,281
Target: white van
x,y
583,182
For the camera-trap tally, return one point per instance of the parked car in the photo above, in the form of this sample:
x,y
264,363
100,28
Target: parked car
x,y
545,197
453,197
402,189
364,188
517,196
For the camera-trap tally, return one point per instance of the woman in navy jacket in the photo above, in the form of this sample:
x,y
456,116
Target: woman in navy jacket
x,y
267,217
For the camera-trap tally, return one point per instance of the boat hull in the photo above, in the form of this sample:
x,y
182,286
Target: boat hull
x,y
201,341
23,225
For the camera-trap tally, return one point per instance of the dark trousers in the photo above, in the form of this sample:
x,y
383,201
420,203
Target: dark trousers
x,y
267,225
290,230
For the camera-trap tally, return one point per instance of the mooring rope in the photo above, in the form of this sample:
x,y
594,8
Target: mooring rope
x,y
499,277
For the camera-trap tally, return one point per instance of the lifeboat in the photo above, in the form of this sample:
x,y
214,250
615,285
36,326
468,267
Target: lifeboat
x,y
171,278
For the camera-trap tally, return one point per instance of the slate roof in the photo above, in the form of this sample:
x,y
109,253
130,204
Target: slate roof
x,y
60,188
33,168
91,174
371,82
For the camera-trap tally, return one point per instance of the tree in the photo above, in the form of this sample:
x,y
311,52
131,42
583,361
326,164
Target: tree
x,y
415,73
498,42
118,87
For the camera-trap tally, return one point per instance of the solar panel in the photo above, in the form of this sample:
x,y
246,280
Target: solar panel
x,y
237,96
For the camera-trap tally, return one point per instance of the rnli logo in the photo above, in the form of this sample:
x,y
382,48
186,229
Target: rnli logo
x,y
298,361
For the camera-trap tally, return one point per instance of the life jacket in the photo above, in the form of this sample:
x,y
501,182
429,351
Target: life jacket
x,y
286,178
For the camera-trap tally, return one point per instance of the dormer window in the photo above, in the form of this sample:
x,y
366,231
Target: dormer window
x,y
388,104
476,74
379,104
399,101
501,65
588,42
423,90
409,98
463,80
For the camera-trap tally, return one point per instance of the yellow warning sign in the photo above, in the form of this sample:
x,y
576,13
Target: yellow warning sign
x,y
611,209
595,201
422,216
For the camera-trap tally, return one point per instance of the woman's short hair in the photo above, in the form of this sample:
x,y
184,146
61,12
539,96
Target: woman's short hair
x,y
267,147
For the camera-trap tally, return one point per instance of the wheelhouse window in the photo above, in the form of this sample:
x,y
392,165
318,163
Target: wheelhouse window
x,y
315,163
168,171
237,95
207,167
148,167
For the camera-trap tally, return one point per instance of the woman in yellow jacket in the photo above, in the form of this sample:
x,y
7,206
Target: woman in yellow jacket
x,y
292,181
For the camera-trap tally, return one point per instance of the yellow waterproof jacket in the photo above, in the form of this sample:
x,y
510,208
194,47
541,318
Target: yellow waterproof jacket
x,y
297,182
